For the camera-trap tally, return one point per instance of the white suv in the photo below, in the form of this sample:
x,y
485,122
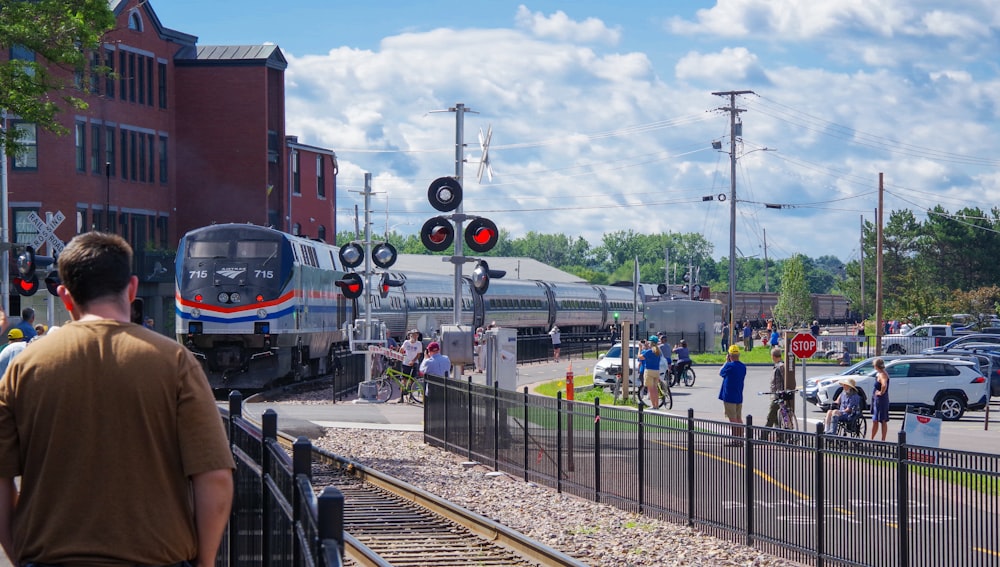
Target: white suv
x,y
613,358
949,386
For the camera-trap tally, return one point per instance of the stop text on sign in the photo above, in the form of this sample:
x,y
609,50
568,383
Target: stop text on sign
x,y
803,345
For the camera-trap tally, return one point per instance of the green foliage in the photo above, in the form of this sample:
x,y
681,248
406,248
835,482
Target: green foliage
x,y
794,302
61,34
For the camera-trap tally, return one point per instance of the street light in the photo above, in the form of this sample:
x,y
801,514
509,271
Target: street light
x,y
107,200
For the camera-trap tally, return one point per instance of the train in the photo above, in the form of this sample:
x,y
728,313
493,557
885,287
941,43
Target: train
x,y
758,307
256,305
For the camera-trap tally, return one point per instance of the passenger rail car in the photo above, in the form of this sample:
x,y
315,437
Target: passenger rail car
x,y
256,305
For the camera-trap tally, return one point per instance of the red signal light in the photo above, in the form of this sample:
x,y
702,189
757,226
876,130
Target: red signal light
x,y
198,297
351,285
260,298
437,234
481,235
26,286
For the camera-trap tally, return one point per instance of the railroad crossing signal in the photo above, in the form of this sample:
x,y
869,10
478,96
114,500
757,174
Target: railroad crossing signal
x,y
351,285
47,232
803,345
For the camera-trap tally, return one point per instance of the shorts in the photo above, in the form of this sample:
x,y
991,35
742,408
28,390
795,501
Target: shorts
x,y
649,378
734,412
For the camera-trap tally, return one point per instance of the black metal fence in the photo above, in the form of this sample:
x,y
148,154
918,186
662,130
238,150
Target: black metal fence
x,y
538,348
808,497
277,519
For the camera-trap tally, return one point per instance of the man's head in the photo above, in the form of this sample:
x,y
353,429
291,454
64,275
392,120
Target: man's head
x,y
433,348
734,352
28,314
15,335
95,265
776,354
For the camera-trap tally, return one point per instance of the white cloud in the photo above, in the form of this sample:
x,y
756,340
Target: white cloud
x,y
733,63
560,27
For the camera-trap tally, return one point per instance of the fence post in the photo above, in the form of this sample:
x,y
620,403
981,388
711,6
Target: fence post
x,y
902,500
748,457
641,439
496,425
269,431
820,496
690,466
559,443
330,516
301,465
597,449
526,438
468,404
235,410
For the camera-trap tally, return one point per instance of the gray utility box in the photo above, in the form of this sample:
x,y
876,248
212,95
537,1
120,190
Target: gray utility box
x,y
456,344
501,358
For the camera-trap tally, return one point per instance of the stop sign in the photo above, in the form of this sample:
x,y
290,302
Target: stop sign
x,y
803,345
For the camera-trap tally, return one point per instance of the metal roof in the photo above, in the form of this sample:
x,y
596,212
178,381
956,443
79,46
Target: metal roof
x,y
265,54
516,268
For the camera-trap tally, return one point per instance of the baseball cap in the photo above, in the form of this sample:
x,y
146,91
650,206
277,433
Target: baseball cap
x,y
734,349
434,346
413,332
653,338
15,335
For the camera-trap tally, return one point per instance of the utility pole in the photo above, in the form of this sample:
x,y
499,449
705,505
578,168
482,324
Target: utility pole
x,y
878,270
861,248
733,114
460,111
767,288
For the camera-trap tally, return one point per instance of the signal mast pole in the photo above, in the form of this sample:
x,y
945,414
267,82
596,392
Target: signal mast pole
x,y
733,114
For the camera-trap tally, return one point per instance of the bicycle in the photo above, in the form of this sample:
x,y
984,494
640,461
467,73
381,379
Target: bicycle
x,y
786,415
682,372
411,388
665,398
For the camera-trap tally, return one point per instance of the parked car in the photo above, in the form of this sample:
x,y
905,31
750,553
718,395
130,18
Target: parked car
x,y
988,356
809,391
948,385
967,341
613,358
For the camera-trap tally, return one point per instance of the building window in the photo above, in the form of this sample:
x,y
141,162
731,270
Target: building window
x,y
109,151
296,188
149,80
150,152
163,159
27,136
21,53
161,225
81,221
321,233
95,65
109,80
320,177
24,230
81,146
123,75
96,148
133,155
131,77
142,157
141,80
297,229
134,21
162,69
124,154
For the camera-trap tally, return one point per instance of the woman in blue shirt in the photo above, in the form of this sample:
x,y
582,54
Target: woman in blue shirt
x,y
651,362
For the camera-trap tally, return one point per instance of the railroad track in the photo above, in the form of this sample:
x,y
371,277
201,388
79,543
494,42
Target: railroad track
x,y
390,522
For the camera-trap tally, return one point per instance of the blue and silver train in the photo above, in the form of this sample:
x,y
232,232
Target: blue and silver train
x,y
256,305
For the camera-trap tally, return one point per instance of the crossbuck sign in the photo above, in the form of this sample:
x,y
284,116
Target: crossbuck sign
x,y
47,232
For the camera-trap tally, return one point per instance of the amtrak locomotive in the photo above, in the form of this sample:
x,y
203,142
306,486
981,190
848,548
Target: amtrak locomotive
x,y
256,305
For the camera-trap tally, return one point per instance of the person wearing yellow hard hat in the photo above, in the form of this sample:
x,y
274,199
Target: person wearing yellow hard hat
x,y
733,374
15,344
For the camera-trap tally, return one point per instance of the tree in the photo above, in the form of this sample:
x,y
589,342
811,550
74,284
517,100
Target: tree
x,y
794,302
50,42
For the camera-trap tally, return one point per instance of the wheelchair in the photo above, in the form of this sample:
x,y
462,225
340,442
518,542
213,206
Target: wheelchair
x,y
856,426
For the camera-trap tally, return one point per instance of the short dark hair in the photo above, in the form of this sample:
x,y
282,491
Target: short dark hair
x,y
27,314
95,265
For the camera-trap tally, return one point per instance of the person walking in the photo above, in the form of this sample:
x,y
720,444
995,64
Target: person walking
x,y
725,337
556,342
131,464
777,385
411,349
747,337
651,363
733,374
435,363
880,400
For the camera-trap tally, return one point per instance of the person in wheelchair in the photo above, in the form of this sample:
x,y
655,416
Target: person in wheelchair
x,y
683,361
850,406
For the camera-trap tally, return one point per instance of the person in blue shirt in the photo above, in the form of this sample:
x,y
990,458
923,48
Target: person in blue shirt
x,y
775,337
683,361
850,405
650,361
733,375
747,336
435,363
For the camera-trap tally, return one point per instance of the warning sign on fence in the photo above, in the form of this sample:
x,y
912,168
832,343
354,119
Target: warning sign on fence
x,y
922,430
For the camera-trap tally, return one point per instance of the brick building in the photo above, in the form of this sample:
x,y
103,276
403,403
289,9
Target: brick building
x,y
177,137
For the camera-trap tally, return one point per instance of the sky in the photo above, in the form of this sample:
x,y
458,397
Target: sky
x,y
603,115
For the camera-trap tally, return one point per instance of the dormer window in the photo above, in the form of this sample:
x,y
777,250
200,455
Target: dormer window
x,y
134,21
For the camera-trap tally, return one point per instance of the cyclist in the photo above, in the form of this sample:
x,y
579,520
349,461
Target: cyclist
x,y
850,405
777,385
651,363
683,361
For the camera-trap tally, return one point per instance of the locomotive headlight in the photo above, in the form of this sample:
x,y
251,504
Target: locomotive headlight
x,y
223,297
262,313
234,297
